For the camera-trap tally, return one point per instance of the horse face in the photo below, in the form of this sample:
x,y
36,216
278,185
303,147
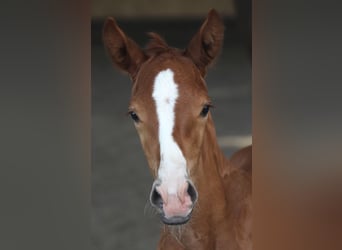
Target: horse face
x,y
170,107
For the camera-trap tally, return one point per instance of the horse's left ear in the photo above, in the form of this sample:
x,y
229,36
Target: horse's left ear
x,y
205,46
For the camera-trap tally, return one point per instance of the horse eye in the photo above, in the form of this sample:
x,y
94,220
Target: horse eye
x,y
134,116
205,110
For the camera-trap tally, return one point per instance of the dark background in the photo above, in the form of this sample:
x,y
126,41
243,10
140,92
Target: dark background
x,y
45,144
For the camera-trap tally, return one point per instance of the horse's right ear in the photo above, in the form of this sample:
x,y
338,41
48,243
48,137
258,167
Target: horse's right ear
x,y
125,53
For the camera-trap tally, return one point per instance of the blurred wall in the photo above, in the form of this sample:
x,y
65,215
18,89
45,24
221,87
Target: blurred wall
x,y
160,8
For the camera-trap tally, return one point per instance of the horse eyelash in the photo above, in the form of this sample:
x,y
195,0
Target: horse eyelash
x,y
208,103
129,113
208,106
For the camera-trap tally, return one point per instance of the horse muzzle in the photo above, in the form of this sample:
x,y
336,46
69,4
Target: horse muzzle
x,y
175,208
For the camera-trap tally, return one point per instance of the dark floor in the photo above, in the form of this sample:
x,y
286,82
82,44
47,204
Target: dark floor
x,y
121,217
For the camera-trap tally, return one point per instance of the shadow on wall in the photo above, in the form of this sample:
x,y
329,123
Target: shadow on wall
x,y
244,20
160,9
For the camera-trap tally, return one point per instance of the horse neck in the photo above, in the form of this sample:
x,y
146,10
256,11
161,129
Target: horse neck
x,y
212,159
212,162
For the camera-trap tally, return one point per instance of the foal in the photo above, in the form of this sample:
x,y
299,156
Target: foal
x,y
195,185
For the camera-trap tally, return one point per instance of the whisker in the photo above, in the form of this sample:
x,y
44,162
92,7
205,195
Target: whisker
x,y
149,210
177,232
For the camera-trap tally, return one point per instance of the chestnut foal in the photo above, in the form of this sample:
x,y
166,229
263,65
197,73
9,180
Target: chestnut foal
x,y
195,185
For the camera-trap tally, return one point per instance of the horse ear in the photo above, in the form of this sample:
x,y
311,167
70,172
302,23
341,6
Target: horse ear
x,y
124,52
205,46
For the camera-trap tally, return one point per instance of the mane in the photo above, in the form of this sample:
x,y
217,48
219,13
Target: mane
x,y
156,45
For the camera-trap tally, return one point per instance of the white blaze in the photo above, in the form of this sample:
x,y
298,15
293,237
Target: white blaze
x,y
172,168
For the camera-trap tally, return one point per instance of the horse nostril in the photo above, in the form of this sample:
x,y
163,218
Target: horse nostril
x,y
156,199
192,192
